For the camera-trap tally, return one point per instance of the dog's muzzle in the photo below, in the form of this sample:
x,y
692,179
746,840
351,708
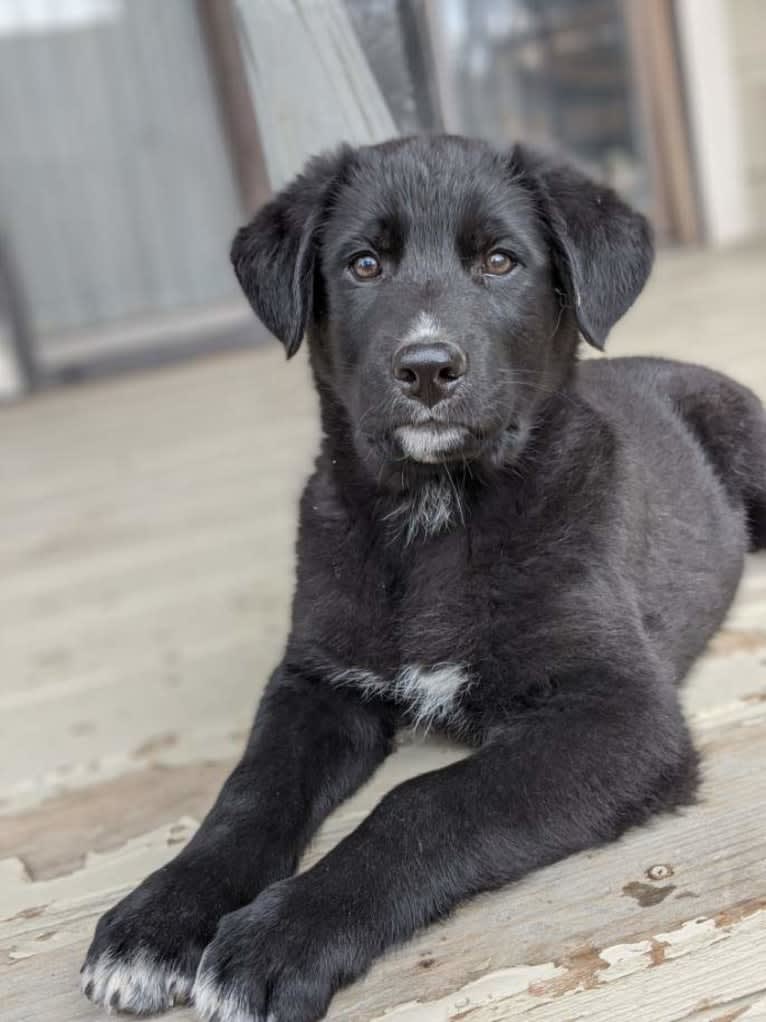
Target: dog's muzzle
x,y
431,442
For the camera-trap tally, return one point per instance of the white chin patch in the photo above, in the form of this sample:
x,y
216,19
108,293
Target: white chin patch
x,y
427,443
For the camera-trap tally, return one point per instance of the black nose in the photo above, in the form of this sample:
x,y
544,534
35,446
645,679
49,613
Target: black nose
x,y
429,372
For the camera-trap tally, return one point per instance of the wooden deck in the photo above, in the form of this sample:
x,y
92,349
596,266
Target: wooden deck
x,y
146,529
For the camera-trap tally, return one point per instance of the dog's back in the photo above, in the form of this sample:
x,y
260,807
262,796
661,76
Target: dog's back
x,y
725,418
691,474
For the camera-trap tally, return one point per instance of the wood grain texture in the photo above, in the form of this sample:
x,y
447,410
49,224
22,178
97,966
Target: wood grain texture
x,y
146,531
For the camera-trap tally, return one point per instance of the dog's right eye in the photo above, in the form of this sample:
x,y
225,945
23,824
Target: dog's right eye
x,y
498,263
365,266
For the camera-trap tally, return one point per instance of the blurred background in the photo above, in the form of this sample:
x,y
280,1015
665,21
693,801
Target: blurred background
x,y
135,135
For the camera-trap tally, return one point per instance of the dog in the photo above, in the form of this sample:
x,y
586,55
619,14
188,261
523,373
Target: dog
x,y
522,551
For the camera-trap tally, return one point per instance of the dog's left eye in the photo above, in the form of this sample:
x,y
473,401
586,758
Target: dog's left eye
x,y
365,266
498,263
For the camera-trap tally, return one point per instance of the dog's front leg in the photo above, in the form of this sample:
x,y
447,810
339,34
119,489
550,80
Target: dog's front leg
x,y
566,776
310,747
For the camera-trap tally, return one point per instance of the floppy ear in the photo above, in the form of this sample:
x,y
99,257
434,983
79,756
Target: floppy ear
x,y
274,256
602,248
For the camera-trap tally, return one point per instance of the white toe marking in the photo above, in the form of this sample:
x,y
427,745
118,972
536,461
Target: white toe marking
x,y
209,999
142,984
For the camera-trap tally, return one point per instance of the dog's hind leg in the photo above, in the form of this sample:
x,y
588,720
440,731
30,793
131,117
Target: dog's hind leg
x,y
730,423
756,516
751,468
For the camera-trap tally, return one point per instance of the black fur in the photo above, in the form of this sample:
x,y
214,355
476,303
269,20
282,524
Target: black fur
x,y
562,563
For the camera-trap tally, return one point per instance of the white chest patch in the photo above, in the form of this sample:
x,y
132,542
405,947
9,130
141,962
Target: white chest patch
x,y
427,693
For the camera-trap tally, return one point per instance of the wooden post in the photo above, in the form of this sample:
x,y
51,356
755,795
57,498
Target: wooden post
x,y
659,83
219,22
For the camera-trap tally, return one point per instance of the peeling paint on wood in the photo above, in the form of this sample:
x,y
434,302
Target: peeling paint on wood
x,y
526,991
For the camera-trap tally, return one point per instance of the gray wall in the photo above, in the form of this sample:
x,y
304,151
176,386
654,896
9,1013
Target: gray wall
x,y
116,191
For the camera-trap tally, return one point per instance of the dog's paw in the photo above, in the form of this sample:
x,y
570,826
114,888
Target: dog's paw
x,y
135,982
272,961
146,950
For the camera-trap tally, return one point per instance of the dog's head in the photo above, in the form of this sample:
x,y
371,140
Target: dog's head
x,y
442,284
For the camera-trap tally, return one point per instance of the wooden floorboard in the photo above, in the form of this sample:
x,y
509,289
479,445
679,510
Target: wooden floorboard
x,y
146,534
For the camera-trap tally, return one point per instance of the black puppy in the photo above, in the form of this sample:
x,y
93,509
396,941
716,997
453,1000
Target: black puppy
x,y
524,552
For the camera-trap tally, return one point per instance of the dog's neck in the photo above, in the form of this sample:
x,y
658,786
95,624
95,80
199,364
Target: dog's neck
x,y
412,501
434,506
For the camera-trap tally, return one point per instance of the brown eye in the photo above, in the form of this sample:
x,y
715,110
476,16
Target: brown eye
x,y
365,266
498,263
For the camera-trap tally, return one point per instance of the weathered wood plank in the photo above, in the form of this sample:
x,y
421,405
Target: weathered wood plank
x,y
651,883
164,777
